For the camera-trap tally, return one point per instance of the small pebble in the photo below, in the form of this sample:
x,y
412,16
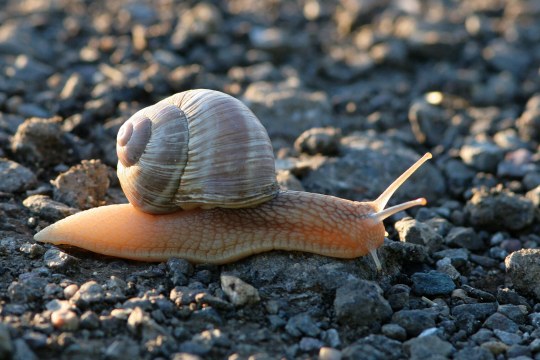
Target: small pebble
x,y
302,324
6,347
65,320
394,331
374,310
327,353
239,292
432,283
89,293
58,260
414,321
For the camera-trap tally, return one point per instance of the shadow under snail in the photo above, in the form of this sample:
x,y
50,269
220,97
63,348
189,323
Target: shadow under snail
x,y
198,170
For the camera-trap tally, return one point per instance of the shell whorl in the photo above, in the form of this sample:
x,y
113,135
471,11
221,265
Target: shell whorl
x,y
198,148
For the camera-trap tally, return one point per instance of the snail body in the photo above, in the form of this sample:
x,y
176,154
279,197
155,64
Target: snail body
x,y
200,225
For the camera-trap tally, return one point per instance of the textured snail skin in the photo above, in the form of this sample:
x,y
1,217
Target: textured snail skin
x,y
293,220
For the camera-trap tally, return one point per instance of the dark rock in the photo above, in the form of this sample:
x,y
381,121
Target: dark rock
x,y
15,177
23,351
6,347
394,331
507,337
302,324
432,283
458,175
516,164
506,57
481,295
458,257
33,251
366,157
498,321
331,338
517,351
323,141
28,289
499,209
428,120
474,353
309,344
517,313
374,310
122,348
89,320
90,293
428,347
47,208
464,237
373,347
40,142
507,296
398,296
415,321
285,109
482,155
179,271
58,260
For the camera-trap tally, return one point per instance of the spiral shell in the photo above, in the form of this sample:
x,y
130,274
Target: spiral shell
x,y
198,148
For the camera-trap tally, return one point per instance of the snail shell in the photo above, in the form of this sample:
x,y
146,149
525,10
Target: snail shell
x,y
198,148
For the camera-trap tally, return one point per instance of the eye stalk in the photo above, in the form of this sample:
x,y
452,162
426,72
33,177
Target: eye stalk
x,y
383,199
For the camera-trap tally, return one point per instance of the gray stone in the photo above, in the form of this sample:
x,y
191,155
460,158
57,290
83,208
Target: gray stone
x,y
394,331
482,155
413,231
367,156
122,348
89,293
474,353
23,351
415,321
464,237
302,324
523,268
47,208
517,313
499,209
373,347
58,260
432,283
498,321
285,109
40,142
428,347
6,347
309,344
361,303
458,257
507,337
15,177
179,271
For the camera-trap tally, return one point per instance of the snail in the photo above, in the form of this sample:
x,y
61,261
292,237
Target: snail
x,y
199,173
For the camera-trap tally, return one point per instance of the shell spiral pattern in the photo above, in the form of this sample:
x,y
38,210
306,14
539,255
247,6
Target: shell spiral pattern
x,y
199,148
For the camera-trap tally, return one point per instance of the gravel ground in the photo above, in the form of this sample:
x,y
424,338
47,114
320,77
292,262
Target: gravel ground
x,y
351,92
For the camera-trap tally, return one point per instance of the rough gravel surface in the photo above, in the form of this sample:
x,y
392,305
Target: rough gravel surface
x,y
352,92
